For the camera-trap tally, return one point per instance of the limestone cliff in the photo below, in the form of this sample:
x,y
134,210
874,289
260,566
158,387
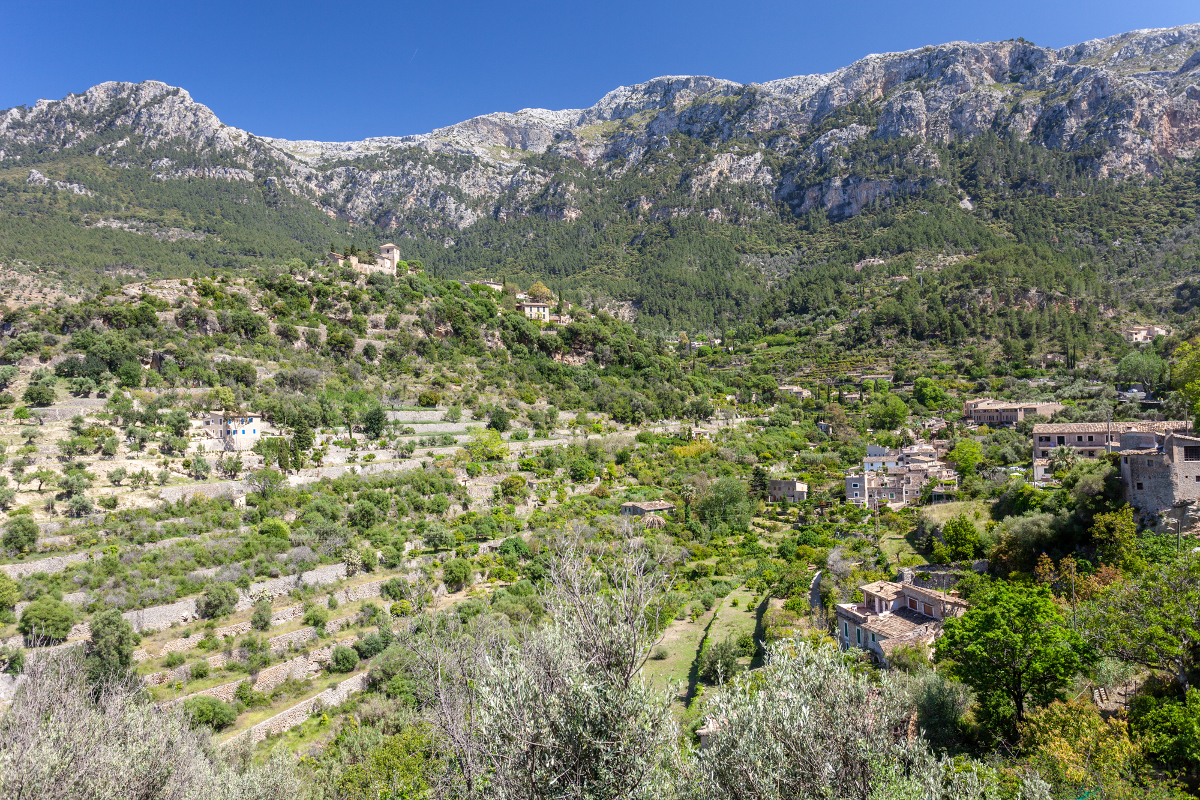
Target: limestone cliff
x,y
1130,102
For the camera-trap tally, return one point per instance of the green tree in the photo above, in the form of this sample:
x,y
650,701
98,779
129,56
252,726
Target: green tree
x,y
965,456
374,420
260,620
1062,458
486,445
1152,620
928,393
10,593
1013,648
457,571
960,540
20,533
343,659
1115,537
48,617
218,600
1144,367
720,661
110,648
39,394
889,414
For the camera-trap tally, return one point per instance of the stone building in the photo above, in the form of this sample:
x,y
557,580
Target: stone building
x,y
1144,334
385,263
985,411
535,309
894,614
219,431
643,507
1089,439
779,490
1160,470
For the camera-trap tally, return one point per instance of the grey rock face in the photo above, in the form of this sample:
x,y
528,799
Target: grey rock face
x,y
1133,97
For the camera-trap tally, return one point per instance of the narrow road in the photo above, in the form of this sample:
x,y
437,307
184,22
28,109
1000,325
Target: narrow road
x,y
814,592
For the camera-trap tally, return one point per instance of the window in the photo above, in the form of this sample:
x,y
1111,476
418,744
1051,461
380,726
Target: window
x,y
912,603
1079,438
927,609
1140,487
858,636
1149,462
856,494
1191,453
846,630
1089,438
1126,459
872,638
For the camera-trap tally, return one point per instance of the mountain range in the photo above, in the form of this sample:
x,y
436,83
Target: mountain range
x,y
691,172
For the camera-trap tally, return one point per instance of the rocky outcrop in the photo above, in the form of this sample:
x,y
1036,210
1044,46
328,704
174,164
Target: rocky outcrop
x,y
1133,100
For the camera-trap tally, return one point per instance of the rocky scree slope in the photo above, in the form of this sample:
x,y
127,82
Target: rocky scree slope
x,y
1130,103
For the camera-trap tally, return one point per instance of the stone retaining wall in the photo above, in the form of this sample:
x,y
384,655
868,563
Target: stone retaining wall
x,y
298,713
47,565
300,668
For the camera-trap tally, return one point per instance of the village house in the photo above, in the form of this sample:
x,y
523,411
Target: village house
x,y
985,411
386,262
1144,334
799,392
641,508
535,309
901,486
894,614
791,491
219,431
1160,471
1089,439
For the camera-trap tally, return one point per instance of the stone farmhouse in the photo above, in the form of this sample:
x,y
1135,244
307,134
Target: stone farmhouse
x,y
895,614
1144,334
386,262
535,309
645,507
1160,471
219,432
1091,439
779,490
985,411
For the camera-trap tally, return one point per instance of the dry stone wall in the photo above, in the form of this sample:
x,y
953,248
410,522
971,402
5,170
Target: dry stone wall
x,y
300,668
298,713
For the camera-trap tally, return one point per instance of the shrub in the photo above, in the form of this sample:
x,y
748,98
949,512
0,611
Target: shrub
x,y
372,645
457,571
39,394
46,616
209,712
218,600
395,589
173,660
343,659
428,399
248,698
315,616
199,670
275,528
20,533
260,620
720,661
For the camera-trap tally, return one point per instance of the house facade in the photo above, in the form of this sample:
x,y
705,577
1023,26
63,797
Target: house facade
x,y
641,508
1091,439
791,491
534,309
900,486
1160,470
219,431
985,411
1144,334
893,614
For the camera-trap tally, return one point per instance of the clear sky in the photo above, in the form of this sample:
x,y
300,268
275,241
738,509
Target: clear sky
x,y
346,70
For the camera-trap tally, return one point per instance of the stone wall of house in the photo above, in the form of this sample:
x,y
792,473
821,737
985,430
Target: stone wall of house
x,y
298,713
1153,472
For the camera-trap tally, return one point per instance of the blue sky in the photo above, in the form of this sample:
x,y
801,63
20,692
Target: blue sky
x,y
347,70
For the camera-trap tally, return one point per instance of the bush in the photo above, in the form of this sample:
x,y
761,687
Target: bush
x,y
315,616
260,620
199,670
343,659
720,662
457,571
372,645
20,534
395,589
39,394
173,660
209,712
275,528
428,399
218,600
46,616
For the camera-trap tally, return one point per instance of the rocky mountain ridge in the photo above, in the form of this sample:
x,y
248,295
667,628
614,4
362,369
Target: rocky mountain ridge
x,y
1130,102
